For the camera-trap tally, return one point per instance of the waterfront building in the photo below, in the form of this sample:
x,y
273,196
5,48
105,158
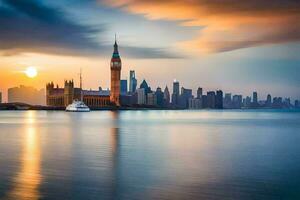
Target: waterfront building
x,y
128,99
237,101
255,99
25,94
277,102
144,85
227,101
151,99
247,103
141,96
132,81
195,103
62,97
268,101
159,97
175,94
199,93
211,99
204,101
166,96
124,89
115,71
219,99
287,103
184,97
297,105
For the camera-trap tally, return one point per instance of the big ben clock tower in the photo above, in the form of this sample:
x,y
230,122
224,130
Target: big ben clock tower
x,y
115,71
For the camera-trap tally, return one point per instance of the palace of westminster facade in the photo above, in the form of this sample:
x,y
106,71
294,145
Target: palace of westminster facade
x,y
62,97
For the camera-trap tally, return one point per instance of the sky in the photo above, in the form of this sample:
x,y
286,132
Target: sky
x,y
237,46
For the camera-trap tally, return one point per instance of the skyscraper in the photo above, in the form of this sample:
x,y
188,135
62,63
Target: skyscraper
x,y
199,93
175,95
144,85
211,99
132,81
186,94
269,101
159,97
0,97
151,99
141,97
237,101
227,101
115,70
255,101
123,87
166,96
219,99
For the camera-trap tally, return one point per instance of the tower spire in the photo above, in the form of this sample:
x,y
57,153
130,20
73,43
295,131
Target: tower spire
x,y
81,95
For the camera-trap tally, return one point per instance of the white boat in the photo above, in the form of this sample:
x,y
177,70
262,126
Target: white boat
x,y
77,106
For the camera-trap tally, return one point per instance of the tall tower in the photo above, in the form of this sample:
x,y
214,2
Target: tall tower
x,y
115,71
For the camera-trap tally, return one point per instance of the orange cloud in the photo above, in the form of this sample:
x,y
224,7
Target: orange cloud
x,y
228,24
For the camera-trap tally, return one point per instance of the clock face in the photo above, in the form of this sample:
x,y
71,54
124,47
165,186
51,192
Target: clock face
x,y
115,64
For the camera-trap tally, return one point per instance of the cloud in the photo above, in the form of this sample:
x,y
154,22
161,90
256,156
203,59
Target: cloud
x,y
228,24
30,26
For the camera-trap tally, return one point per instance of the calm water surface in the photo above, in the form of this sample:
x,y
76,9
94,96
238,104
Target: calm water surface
x,y
150,155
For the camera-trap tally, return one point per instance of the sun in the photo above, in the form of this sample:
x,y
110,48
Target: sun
x,y
31,72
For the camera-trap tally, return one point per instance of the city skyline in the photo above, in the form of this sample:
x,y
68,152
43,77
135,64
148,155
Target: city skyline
x,y
268,64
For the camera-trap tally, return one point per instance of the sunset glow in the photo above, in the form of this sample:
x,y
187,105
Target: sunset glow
x,y
31,72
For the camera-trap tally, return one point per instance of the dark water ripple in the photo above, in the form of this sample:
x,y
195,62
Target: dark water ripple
x,y
150,155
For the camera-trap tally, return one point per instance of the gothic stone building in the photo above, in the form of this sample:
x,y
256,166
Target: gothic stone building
x,y
62,97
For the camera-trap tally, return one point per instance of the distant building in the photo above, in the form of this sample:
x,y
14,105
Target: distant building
x,y
247,103
219,99
237,101
227,101
141,96
62,97
151,99
195,103
184,97
269,101
211,99
132,81
277,102
124,89
204,101
0,97
175,94
255,99
159,97
166,96
24,94
115,71
287,103
128,99
144,85
199,93
297,105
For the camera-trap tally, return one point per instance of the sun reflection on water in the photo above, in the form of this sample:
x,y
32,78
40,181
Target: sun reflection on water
x,y
28,179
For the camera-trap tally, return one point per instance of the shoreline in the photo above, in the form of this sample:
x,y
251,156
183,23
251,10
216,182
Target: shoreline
x,y
24,107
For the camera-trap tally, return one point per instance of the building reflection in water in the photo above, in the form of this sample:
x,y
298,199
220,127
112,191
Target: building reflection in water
x,y
28,179
115,155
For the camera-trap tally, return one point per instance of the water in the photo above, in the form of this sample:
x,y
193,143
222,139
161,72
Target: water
x,y
150,155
